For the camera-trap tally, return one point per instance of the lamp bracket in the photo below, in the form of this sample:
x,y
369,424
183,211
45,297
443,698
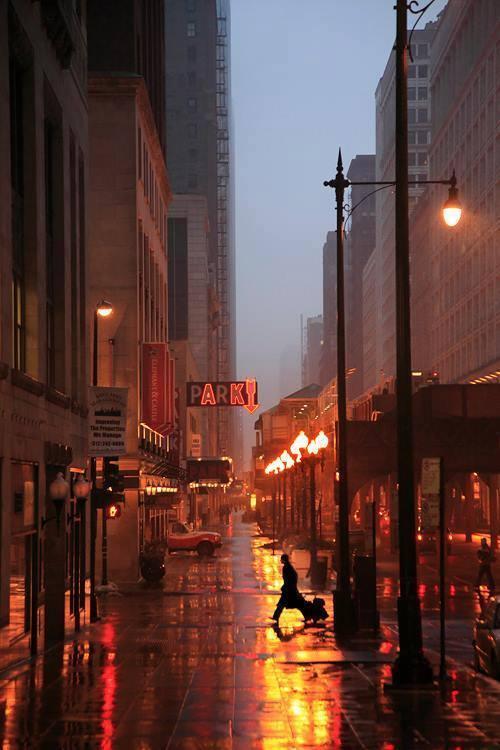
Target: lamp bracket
x,y
414,8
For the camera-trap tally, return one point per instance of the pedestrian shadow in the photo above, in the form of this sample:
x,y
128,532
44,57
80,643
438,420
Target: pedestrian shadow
x,y
288,633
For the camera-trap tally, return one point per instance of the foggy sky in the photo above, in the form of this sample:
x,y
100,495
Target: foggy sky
x,y
304,74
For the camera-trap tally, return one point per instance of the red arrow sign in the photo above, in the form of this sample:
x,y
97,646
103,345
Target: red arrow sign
x,y
251,406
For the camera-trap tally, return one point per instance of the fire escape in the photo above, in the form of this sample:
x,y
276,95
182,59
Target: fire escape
x,y
223,187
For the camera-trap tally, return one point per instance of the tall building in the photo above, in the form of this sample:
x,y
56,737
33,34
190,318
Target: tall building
x,y
419,135
128,37
43,324
129,197
361,245
313,350
328,368
190,284
199,156
456,284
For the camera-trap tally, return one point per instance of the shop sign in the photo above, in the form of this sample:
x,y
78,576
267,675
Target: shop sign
x,y
195,445
107,421
431,474
224,393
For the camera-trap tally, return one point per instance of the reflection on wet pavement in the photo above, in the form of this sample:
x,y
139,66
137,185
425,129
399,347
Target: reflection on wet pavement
x,y
200,666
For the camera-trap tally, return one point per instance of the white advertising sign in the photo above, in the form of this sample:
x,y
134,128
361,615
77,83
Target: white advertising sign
x,y
430,511
196,445
107,421
431,470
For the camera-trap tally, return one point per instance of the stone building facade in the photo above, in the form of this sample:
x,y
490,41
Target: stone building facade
x,y
456,285
129,196
43,324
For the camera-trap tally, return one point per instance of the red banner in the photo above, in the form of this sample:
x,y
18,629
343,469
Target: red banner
x,y
157,387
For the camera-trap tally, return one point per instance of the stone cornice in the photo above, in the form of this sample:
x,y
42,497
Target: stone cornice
x,y
100,84
26,382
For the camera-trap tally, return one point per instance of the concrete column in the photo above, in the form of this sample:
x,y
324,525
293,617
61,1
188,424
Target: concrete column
x,y
493,496
469,508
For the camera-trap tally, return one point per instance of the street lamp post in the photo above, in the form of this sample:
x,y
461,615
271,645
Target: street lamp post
x,y
411,666
102,310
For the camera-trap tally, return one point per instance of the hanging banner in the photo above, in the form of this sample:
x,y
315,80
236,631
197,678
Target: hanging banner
x,y
157,387
107,421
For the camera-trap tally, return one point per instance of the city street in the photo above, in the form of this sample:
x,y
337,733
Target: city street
x,y
198,665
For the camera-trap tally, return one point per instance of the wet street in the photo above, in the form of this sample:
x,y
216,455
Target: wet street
x,y
198,666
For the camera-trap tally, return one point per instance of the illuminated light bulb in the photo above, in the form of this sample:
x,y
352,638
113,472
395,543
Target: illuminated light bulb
x,y
452,209
104,309
321,440
312,448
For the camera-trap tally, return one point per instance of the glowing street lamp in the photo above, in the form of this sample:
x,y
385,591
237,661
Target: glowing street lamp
x,y
452,209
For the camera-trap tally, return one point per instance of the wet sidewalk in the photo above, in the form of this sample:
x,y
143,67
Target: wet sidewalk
x,y
199,667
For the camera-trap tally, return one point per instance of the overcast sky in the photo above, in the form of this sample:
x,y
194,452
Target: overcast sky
x,y
304,74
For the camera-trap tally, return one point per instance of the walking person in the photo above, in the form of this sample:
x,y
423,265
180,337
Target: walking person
x,y
485,557
290,596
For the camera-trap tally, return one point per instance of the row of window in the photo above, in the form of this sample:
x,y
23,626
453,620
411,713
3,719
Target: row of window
x,y
419,137
148,177
417,159
419,93
418,71
26,349
152,292
420,116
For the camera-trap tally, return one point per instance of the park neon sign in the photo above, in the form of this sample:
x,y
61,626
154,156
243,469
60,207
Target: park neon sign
x,y
227,393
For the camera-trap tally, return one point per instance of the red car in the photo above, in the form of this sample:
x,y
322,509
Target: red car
x,y
181,538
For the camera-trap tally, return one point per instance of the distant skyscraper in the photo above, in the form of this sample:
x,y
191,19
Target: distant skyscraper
x,y
361,244
419,134
199,150
313,350
328,368
456,272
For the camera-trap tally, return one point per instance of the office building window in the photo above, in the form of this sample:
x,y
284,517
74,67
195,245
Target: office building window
x,y
17,159
412,137
177,279
192,181
192,104
422,137
411,94
411,159
422,93
423,115
422,50
54,246
191,29
412,71
191,53
412,116
422,159
192,130
423,71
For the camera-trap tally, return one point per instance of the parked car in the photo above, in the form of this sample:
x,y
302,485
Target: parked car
x,y
182,538
486,639
428,540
